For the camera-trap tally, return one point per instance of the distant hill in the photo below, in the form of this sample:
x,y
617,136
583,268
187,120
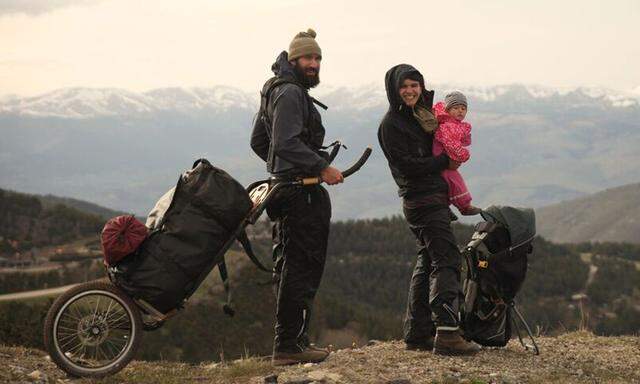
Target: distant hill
x,y
49,201
28,221
612,215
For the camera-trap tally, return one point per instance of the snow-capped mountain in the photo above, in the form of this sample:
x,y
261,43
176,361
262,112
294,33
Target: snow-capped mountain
x,y
79,102
532,145
597,94
96,102
185,99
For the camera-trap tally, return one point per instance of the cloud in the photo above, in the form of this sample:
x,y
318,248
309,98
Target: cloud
x,y
38,7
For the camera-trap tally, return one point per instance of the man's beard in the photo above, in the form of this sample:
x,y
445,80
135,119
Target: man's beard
x,y
308,81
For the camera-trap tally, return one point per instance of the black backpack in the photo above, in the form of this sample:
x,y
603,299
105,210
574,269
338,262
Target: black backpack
x,y
190,238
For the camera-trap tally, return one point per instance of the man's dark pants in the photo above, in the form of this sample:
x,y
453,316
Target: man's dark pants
x,y
300,234
435,283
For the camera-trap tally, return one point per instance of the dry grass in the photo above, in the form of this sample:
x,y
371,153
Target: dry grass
x,y
578,357
20,362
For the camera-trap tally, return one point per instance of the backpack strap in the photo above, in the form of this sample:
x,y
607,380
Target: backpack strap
x,y
265,95
318,103
246,244
279,81
227,307
275,82
263,117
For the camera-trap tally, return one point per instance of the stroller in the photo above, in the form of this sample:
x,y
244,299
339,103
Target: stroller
x,y
496,260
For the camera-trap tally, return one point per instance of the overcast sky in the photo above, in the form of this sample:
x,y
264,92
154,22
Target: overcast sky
x,y
140,45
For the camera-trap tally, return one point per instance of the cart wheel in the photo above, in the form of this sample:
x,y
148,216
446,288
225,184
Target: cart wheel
x,y
93,330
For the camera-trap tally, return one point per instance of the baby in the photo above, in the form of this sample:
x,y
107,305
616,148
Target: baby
x,y
452,136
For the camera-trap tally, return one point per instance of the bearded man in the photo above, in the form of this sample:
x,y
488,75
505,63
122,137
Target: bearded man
x,y
288,135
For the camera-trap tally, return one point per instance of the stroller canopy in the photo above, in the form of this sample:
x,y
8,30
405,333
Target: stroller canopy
x,y
520,222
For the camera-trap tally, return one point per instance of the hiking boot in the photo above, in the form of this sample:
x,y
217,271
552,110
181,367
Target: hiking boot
x,y
450,342
314,347
308,355
426,345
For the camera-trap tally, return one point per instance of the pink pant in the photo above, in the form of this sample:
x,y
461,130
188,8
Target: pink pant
x,y
459,195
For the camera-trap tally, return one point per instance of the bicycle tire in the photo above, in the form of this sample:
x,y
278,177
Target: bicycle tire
x,y
54,321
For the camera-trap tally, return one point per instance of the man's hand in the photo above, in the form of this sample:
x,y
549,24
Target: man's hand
x,y
453,165
331,175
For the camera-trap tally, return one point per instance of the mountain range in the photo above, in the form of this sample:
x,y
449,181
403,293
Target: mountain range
x,y
532,146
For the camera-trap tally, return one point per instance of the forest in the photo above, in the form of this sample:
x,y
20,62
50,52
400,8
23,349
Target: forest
x,y
363,295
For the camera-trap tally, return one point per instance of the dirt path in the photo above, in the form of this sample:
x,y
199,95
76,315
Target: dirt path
x,y
16,296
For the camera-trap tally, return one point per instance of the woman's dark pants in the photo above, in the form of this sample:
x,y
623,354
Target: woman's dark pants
x,y
435,283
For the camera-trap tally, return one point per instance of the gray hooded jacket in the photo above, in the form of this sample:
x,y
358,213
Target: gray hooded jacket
x,y
291,138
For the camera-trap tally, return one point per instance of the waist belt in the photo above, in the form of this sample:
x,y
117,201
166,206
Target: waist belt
x,y
284,177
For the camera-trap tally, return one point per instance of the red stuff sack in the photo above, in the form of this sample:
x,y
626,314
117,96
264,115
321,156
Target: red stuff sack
x,y
120,237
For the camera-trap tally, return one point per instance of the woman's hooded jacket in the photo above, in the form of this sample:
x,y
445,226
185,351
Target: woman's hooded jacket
x,y
407,147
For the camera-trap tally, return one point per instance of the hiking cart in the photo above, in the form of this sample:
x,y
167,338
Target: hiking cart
x,y
496,259
95,328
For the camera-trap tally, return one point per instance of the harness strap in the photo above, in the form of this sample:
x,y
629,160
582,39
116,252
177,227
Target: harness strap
x,y
318,103
337,142
246,244
227,308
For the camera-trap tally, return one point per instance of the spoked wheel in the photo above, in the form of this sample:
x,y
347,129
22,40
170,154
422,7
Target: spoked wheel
x,y
93,330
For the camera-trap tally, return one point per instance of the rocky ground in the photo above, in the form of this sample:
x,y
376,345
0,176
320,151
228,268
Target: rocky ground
x,y
571,358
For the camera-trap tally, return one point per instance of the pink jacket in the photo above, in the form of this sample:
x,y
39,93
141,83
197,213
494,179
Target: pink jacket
x,y
452,134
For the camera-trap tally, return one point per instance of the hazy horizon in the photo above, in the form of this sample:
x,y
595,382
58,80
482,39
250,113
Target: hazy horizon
x,y
324,88
47,45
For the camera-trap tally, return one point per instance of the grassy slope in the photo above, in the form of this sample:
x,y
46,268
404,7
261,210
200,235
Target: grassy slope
x,y
609,215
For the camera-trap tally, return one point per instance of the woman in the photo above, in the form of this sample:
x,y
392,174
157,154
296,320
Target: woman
x,y
406,137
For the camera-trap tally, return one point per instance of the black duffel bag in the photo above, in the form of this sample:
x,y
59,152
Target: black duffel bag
x,y
187,240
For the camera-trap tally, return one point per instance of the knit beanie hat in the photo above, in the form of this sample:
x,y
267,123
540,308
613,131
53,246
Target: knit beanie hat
x,y
304,44
455,98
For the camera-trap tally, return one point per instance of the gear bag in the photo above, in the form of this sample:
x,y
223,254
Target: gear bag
x,y
121,236
192,226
